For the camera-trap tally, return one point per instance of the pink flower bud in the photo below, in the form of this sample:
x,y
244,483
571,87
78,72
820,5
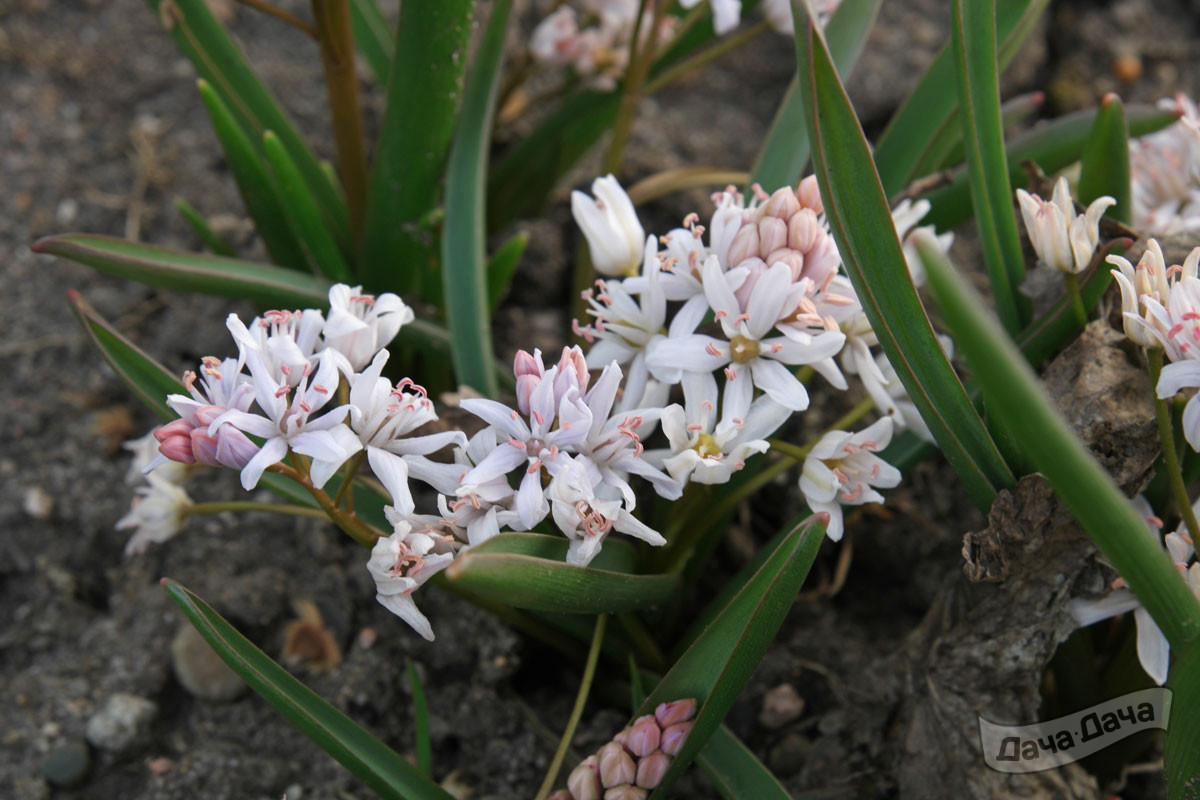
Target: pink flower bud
x,y
652,768
572,372
803,230
622,738
644,736
793,258
205,415
821,260
178,448
674,736
525,364
744,245
772,234
179,427
809,194
675,711
204,447
525,386
562,794
583,783
783,204
757,267
625,792
234,448
616,765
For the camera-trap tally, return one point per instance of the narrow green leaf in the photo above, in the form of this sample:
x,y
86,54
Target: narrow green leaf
x,y
785,150
949,152
220,62
464,249
303,215
420,721
617,555
862,225
973,40
1105,162
930,111
254,183
1181,742
715,668
381,768
199,225
503,266
502,570
1013,393
1052,146
735,771
373,38
432,41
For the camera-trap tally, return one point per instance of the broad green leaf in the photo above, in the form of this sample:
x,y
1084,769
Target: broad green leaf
x,y
300,208
464,247
199,226
862,225
420,721
432,42
617,555
373,38
929,113
387,772
540,583
715,668
502,267
1104,166
1181,742
735,771
1014,395
254,183
221,62
785,150
1052,146
973,44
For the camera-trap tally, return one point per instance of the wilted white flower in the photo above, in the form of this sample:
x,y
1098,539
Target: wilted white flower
x,y
842,469
614,233
157,513
360,324
1061,238
401,563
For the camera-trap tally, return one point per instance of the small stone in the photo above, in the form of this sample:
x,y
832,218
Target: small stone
x,y
786,758
37,503
294,792
122,723
780,706
200,669
68,764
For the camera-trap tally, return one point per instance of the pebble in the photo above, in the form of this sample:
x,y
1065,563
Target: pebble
x,y
781,705
37,503
787,757
200,670
121,723
68,764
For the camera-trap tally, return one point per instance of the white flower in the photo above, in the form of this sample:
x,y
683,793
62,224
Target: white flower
x,y
285,340
1061,238
157,513
401,563
1145,294
360,324
905,217
584,517
145,452
1165,173
842,469
614,234
190,439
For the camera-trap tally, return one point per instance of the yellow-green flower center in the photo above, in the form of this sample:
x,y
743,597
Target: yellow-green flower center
x,y
743,350
707,446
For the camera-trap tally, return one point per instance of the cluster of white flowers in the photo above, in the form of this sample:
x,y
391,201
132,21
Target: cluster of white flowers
x,y
1061,238
1165,171
592,37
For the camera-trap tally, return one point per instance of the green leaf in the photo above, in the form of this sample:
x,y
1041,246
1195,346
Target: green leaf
x,y
1104,166
785,150
382,769
432,42
949,151
373,38
1013,394
527,570
973,39
464,250
220,62
503,266
303,215
715,668
862,226
735,771
1181,743
927,116
199,226
254,183
1052,146
420,721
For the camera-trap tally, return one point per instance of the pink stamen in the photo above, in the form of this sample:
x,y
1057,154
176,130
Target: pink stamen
x,y
694,427
730,374
534,466
712,350
517,443
707,405
537,416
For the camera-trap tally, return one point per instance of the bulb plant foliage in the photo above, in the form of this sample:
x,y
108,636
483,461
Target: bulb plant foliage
x,y
596,479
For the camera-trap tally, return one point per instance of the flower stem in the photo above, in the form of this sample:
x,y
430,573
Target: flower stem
x,y
705,57
250,505
358,530
348,480
1170,455
1076,300
631,97
585,685
662,183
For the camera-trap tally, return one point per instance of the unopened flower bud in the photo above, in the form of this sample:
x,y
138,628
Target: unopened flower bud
x,y
614,234
622,738
652,768
584,783
644,736
562,794
809,194
179,427
572,372
525,364
625,792
772,234
675,711
803,230
744,245
616,765
783,204
674,736
178,448
793,258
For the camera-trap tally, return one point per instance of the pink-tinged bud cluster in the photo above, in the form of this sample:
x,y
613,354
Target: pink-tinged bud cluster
x,y
637,758
188,441
529,369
